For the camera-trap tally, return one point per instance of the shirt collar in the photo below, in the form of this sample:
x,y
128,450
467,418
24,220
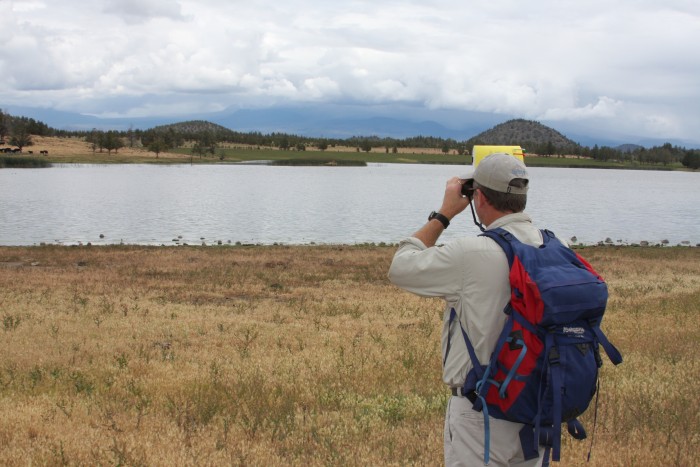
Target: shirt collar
x,y
509,219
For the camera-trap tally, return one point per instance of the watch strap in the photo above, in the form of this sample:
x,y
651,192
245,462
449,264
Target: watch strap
x,y
441,217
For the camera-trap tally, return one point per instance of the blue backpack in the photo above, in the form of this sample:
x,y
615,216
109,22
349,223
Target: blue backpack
x,y
544,369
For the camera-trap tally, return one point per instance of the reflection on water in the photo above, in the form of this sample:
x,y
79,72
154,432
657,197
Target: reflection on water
x,y
149,204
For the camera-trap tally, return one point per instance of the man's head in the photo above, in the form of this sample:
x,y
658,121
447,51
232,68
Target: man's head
x,y
504,181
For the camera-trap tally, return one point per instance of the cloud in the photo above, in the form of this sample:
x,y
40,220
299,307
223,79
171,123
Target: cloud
x,y
141,11
630,61
604,107
320,88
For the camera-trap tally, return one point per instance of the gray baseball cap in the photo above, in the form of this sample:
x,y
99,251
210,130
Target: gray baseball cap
x,y
496,171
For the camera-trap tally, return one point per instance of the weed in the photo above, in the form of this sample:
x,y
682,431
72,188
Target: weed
x,y
141,401
106,305
36,375
11,322
82,383
121,360
59,455
245,338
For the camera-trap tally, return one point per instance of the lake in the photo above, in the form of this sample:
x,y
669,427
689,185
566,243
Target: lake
x,y
154,204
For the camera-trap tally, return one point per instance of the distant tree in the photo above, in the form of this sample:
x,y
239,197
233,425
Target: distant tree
x,y
322,146
131,136
301,147
4,126
199,149
35,127
159,144
173,138
366,145
112,142
284,143
205,144
666,154
94,139
692,159
20,135
445,148
550,149
604,153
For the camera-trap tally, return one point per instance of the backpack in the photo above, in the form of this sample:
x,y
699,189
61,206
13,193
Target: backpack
x,y
544,369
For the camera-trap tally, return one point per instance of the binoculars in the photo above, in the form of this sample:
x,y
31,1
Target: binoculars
x,y
468,188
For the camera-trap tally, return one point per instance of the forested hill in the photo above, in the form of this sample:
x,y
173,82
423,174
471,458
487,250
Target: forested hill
x,y
533,136
197,127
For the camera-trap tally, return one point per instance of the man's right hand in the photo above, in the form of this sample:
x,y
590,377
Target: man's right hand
x,y
453,202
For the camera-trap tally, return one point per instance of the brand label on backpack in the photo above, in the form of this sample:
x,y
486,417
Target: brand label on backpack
x,y
574,331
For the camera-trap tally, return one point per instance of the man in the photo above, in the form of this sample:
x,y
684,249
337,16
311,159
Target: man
x,y
471,274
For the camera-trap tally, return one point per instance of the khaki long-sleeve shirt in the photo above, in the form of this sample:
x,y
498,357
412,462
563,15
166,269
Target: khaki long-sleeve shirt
x,y
471,274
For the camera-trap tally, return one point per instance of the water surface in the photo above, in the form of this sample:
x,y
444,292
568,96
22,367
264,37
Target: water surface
x,y
154,204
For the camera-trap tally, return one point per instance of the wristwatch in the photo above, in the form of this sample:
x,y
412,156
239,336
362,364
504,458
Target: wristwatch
x,y
442,218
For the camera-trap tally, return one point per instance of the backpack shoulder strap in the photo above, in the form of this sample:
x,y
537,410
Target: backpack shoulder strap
x,y
504,239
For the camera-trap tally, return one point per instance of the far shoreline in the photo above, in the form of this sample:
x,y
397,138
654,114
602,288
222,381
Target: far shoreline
x,y
50,151
34,162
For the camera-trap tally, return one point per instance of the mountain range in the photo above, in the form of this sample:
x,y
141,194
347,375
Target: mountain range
x,y
324,121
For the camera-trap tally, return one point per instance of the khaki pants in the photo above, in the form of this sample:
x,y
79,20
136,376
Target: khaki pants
x,y
464,438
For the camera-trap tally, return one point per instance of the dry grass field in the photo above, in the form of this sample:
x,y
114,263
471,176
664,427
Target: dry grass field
x,y
77,150
305,355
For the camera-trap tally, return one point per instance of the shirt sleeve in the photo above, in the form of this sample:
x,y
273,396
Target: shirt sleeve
x,y
428,272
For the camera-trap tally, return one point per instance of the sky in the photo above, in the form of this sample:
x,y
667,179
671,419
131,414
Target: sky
x,y
629,68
